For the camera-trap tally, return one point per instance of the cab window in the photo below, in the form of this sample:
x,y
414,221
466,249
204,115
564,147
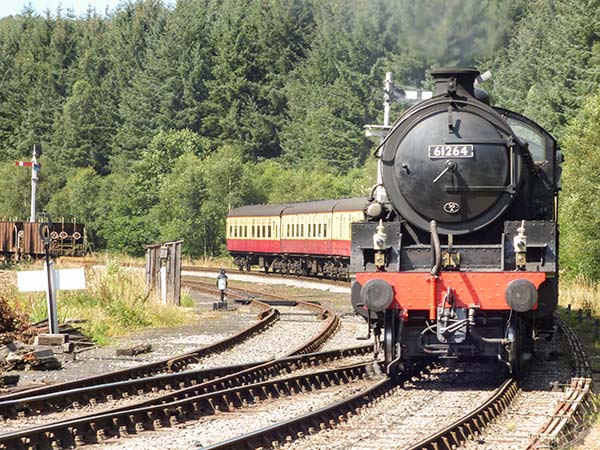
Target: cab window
x,y
533,138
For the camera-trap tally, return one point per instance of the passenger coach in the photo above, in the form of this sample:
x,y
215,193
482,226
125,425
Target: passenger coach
x,y
310,238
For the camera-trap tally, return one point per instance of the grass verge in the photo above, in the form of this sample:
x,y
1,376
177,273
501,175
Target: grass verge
x,y
115,302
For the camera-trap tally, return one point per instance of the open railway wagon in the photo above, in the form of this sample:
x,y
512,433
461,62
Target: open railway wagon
x,y
459,262
22,240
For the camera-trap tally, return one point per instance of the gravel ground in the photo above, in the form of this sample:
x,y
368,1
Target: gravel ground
x,y
212,429
408,413
207,327
287,334
275,279
535,402
292,330
351,327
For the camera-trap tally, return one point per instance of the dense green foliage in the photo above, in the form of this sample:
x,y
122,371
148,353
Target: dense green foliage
x,y
550,72
154,120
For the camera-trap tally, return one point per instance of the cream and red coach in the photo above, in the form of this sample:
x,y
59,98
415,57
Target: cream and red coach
x,y
461,262
309,238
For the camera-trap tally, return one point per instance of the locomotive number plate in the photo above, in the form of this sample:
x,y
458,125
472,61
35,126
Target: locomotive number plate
x,y
450,151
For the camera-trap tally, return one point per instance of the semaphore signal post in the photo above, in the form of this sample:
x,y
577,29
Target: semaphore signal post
x,y
35,168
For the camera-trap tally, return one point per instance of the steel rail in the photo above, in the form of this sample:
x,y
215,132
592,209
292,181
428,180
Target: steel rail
x,y
241,294
96,428
236,293
472,423
77,393
572,414
23,401
320,419
41,437
262,274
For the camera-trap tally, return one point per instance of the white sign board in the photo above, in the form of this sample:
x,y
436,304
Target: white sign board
x,y
64,280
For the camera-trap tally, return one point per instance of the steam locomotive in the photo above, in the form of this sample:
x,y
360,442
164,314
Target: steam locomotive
x,y
458,260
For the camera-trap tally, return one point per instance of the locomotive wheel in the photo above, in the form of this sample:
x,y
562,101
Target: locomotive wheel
x,y
522,351
391,341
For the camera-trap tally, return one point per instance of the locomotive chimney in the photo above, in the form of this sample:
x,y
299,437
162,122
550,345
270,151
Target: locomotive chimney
x,y
455,81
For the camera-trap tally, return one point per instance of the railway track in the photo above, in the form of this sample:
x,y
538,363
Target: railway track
x,y
190,385
571,415
203,393
146,377
558,428
268,275
83,391
222,394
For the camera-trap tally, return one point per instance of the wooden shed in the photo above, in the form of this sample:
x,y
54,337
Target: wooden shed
x,y
163,270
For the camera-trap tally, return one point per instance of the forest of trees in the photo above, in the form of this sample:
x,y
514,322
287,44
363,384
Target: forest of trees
x,y
154,120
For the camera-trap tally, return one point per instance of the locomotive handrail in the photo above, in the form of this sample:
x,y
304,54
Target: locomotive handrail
x,y
508,188
442,100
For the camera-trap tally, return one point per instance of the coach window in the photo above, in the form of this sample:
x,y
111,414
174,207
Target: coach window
x,y
325,230
288,231
319,230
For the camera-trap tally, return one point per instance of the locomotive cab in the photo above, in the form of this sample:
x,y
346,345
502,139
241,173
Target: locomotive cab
x,y
467,268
